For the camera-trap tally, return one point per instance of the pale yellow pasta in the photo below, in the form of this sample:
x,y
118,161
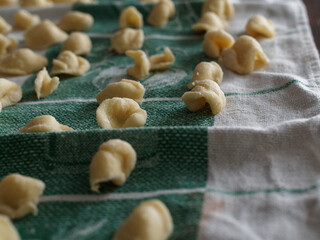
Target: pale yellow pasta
x,y
69,63
75,21
123,89
202,92
127,39
260,27
35,3
209,21
162,61
7,2
19,195
120,113
4,26
25,20
245,56
161,13
215,42
7,230
114,162
79,43
44,85
10,93
150,220
223,8
44,35
6,44
22,62
130,17
141,68
206,71
44,123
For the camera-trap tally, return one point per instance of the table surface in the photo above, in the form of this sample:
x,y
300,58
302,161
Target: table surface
x,y
313,7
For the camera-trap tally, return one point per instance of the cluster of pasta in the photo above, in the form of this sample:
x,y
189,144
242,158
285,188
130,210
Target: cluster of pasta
x,y
241,56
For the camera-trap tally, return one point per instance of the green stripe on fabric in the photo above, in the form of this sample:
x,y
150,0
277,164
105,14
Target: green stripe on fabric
x,y
167,159
97,221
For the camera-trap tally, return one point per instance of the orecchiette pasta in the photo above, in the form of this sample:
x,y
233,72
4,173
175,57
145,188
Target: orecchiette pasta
x,y
69,63
35,3
4,26
260,27
150,220
223,8
245,56
123,89
79,43
206,71
141,68
44,123
130,17
44,85
22,62
161,13
44,35
25,20
209,21
120,113
7,2
127,39
75,21
162,61
114,162
7,230
19,195
6,44
215,42
10,93
205,91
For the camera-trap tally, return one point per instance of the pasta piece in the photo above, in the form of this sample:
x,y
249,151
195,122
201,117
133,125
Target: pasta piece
x,y
44,85
141,68
44,35
7,2
162,61
19,195
150,220
75,21
120,113
25,20
35,3
215,42
44,123
130,17
7,230
205,91
69,63
127,39
79,43
22,62
123,89
7,44
161,13
223,8
114,162
260,27
207,71
10,93
4,26
245,56
209,21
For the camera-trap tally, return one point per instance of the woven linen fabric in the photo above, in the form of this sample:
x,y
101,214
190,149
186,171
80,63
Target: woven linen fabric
x,y
250,172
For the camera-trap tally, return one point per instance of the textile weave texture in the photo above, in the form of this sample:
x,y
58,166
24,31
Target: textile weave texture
x,y
250,172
